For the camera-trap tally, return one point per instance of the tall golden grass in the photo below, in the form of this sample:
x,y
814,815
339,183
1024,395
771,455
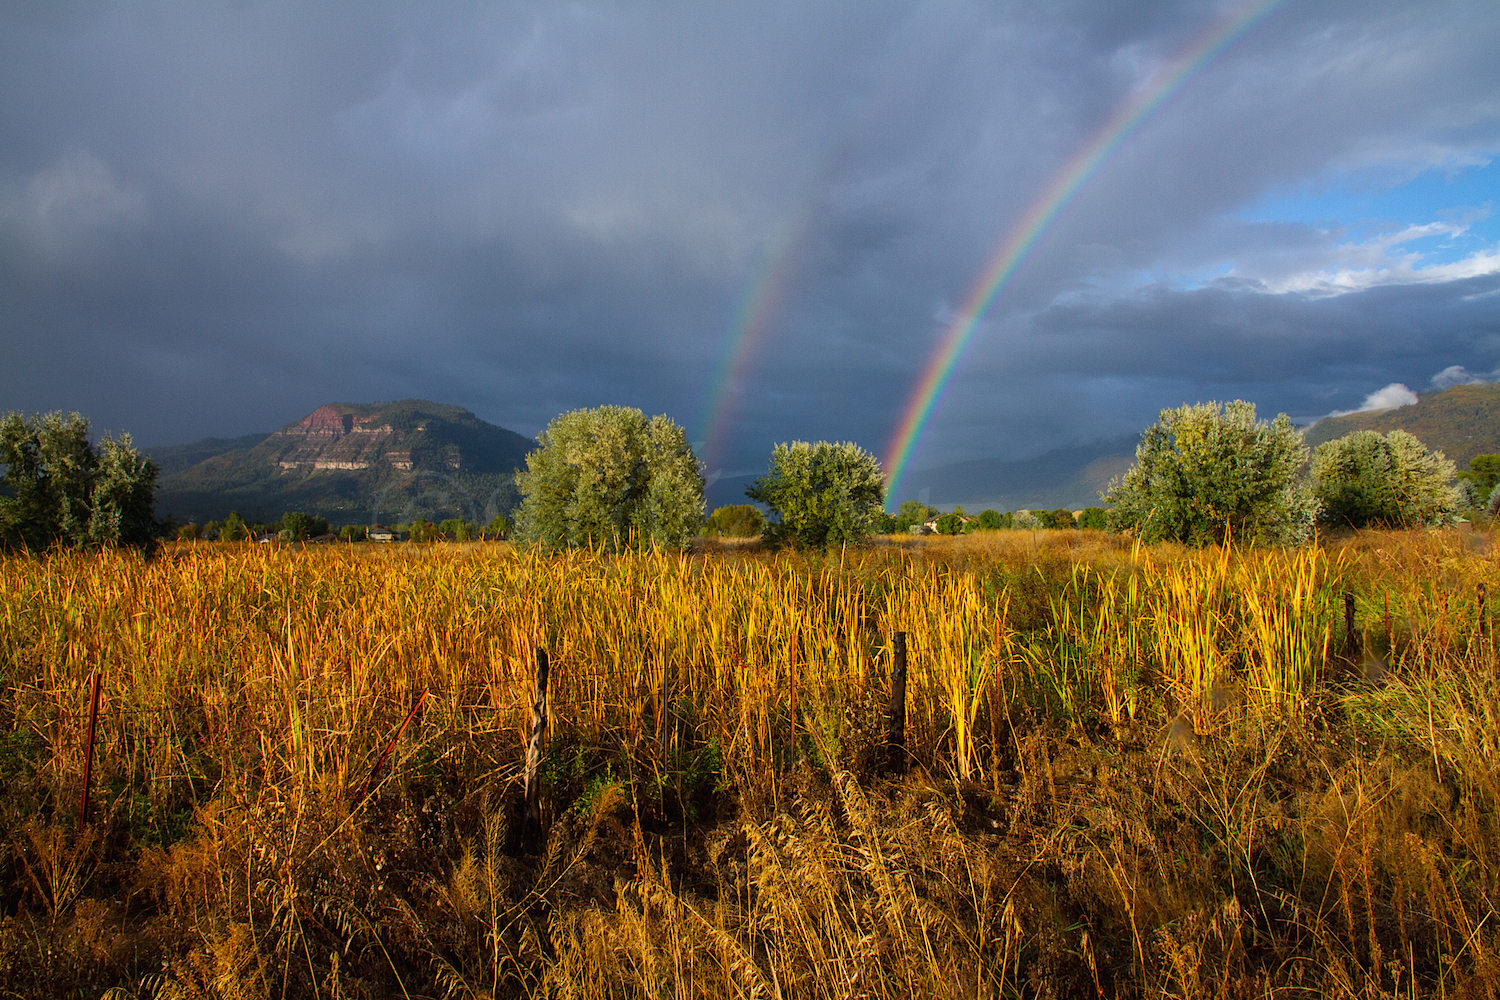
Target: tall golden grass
x,y
1149,770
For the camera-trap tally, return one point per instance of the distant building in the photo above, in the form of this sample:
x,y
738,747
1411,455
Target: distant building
x,y
930,527
380,533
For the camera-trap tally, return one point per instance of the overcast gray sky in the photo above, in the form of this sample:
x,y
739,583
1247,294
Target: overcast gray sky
x,y
215,217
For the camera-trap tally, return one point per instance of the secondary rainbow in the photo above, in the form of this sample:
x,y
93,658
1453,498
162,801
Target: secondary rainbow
x,y
759,305
751,316
1024,235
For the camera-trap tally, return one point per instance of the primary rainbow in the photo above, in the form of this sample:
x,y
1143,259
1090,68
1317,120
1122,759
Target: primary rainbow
x,y
1029,228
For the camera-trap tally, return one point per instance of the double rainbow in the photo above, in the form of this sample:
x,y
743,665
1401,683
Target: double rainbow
x,y
1029,228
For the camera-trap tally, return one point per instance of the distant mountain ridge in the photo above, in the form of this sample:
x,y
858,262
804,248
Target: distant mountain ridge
x,y
175,458
351,463
1462,421
1070,477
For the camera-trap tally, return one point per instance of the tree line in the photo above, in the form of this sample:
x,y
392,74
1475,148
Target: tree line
x,y
612,477
298,526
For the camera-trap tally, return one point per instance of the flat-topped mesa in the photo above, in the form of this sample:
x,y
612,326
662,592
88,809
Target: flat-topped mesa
x,y
326,423
343,449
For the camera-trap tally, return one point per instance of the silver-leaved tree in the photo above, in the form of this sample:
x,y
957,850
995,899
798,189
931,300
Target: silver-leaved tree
x,y
610,477
1206,472
820,494
58,490
1393,480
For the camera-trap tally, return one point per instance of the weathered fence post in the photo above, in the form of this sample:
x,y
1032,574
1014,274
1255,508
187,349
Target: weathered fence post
x,y
896,736
1484,625
661,719
791,676
533,818
1349,649
88,755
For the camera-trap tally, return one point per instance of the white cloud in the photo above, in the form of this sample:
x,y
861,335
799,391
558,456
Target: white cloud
x,y
1455,375
1384,260
1389,398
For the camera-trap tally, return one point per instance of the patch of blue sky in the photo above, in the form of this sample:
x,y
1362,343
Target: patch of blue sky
x,y
1366,205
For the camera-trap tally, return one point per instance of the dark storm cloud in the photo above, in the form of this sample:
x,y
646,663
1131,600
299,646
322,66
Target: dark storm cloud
x,y
215,217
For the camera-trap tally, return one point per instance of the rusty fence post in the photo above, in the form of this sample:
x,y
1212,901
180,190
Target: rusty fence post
x,y
88,754
896,734
534,747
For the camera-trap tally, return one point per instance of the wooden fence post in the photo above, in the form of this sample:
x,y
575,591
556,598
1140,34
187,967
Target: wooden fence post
x,y
791,676
88,756
661,720
534,748
896,735
1349,649
1484,625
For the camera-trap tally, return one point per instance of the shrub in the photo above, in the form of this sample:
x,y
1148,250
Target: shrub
x,y
1061,518
1026,520
1365,478
1094,517
1205,472
736,521
989,520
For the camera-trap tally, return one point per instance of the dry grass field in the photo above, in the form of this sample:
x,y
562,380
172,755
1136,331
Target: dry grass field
x,y
1153,772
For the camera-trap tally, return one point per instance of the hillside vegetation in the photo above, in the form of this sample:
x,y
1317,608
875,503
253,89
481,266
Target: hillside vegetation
x,y
1154,772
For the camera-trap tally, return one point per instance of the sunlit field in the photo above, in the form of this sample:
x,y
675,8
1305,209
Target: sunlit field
x,y
1157,772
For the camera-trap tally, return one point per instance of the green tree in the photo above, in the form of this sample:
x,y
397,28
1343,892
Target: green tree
x,y
741,520
949,524
1060,518
235,529
1484,473
912,512
989,520
456,529
1096,518
353,532
421,530
820,494
1365,478
611,477
60,490
300,527
1205,471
